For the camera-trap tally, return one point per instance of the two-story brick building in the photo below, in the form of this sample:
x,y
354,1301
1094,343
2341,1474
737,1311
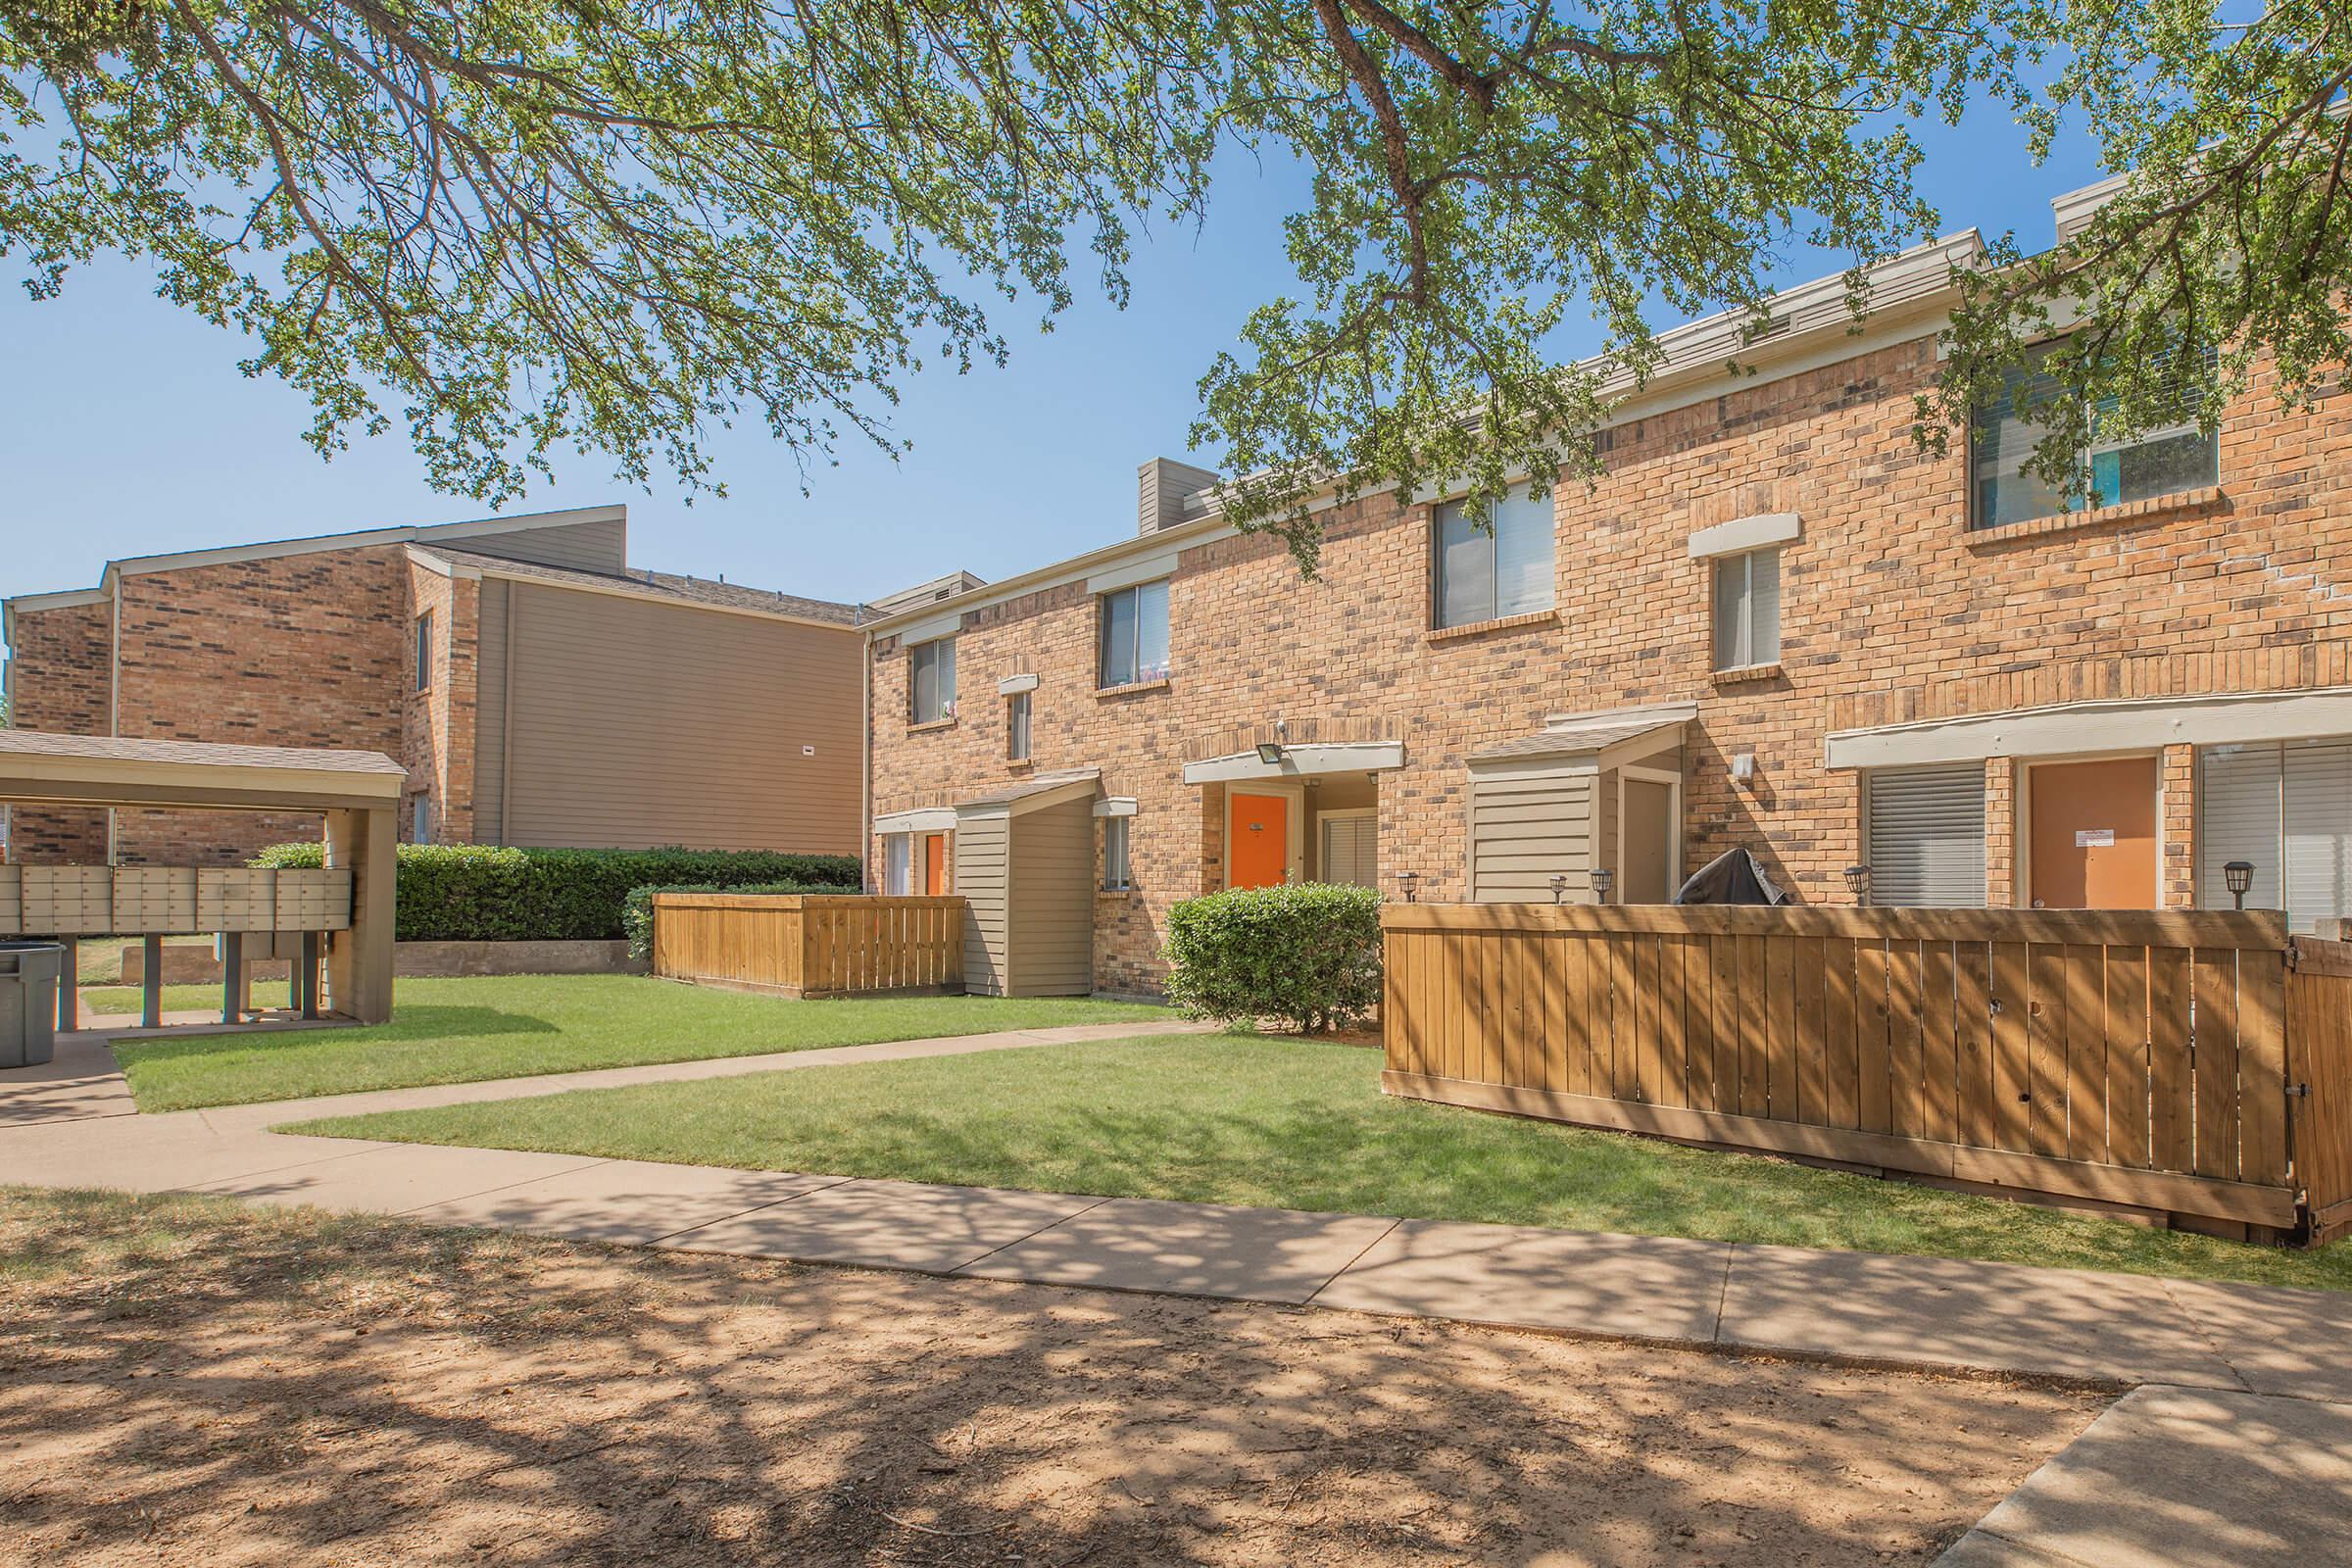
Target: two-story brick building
x,y
1776,624
538,688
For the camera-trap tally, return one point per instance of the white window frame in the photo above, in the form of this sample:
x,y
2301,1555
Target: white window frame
x,y
1021,721
1323,839
1118,830
1445,512
1747,653
1138,672
897,865
420,818
945,698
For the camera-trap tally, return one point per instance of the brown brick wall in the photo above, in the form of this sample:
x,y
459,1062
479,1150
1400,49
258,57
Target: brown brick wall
x,y
303,649
1891,609
59,667
437,723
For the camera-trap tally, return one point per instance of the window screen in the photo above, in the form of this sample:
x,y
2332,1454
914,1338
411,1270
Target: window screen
x,y
1748,609
1926,836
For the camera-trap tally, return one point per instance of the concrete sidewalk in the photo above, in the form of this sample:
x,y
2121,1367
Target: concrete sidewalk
x,y
2237,1360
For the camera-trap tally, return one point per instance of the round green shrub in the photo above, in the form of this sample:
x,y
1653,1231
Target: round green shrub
x,y
1307,953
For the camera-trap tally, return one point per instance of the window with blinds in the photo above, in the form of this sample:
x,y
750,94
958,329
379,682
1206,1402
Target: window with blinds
x,y
1748,609
1926,836
2004,433
2285,809
1497,567
1350,846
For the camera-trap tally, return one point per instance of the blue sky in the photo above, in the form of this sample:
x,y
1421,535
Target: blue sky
x,y
125,429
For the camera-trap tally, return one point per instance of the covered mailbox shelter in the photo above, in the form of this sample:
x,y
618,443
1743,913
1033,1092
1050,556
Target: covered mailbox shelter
x,y
357,791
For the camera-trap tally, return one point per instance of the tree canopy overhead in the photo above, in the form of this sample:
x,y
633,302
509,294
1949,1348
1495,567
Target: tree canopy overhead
x,y
609,224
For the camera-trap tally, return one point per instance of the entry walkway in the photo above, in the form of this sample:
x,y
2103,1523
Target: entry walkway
x,y
2220,1362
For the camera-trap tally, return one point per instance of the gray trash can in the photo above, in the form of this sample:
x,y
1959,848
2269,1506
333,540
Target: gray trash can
x,y
29,976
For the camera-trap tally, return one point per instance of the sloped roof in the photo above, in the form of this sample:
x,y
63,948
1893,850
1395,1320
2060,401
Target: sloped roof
x,y
191,754
668,585
1038,784
1591,732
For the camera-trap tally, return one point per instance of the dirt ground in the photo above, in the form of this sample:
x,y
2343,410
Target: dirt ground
x,y
184,1381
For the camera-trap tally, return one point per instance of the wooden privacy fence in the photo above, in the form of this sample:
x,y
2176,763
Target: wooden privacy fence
x,y
2195,1063
807,944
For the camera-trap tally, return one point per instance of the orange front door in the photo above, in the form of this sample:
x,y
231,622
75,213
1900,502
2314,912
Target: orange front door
x,y
935,862
1259,855
2094,834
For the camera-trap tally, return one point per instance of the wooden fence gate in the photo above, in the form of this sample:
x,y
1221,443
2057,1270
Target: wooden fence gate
x,y
2197,1065
809,944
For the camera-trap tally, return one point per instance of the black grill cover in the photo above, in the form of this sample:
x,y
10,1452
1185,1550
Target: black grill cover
x,y
1732,877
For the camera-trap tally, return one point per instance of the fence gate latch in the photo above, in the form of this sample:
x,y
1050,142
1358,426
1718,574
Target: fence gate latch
x,y
2298,1091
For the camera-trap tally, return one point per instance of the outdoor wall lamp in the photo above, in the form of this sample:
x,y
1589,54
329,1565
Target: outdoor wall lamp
x,y
1857,882
2240,874
1406,880
1270,752
1603,879
1560,888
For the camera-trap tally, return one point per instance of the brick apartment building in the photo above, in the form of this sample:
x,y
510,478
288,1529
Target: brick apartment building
x,y
538,689
1774,624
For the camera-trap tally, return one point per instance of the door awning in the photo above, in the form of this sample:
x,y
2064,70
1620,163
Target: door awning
x,y
1307,760
1595,740
1031,794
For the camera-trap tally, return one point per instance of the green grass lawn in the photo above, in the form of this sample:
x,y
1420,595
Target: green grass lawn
x,y
1296,1124
177,998
463,1031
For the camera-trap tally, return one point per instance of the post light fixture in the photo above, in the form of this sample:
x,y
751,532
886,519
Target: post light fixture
x,y
1560,888
1603,879
1406,881
1857,882
2240,874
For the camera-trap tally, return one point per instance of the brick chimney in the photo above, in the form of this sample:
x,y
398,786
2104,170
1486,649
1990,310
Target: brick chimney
x,y
1161,486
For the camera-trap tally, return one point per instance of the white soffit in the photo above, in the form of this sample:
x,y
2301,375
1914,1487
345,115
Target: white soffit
x,y
930,819
1299,761
1148,569
1015,685
1116,806
1743,534
2098,726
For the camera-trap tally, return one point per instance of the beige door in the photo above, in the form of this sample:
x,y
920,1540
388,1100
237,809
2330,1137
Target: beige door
x,y
2094,834
1647,874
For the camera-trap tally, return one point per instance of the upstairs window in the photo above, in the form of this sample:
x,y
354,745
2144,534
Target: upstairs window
x,y
931,681
424,652
2003,434
1016,727
1135,635
1748,609
1501,566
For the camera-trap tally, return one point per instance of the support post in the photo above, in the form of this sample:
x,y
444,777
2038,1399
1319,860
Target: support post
x,y
69,986
359,961
305,975
151,983
232,970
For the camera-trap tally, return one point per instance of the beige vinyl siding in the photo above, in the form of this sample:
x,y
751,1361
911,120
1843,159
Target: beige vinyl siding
x,y
982,845
1526,827
1052,902
490,713
582,545
634,723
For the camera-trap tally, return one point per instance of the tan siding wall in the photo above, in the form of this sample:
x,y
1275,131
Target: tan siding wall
x,y
1524,829
584,546
1053,901
982,877
490,713
634,723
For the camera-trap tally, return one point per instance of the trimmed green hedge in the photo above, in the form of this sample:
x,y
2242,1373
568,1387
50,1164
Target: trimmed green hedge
x,y
475,892
1306,953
